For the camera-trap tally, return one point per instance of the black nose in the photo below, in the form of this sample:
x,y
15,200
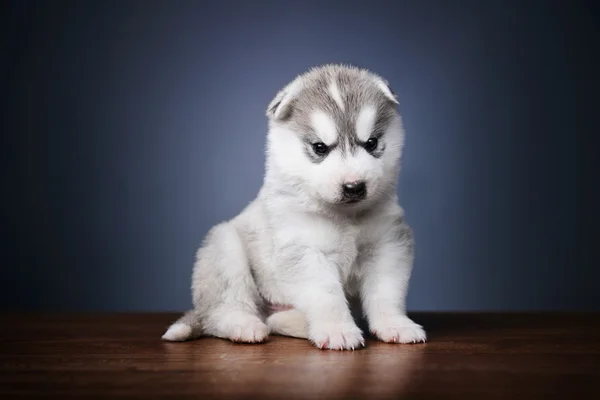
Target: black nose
x,y
355,190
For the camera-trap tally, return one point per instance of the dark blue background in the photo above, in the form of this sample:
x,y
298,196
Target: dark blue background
x,y
129,128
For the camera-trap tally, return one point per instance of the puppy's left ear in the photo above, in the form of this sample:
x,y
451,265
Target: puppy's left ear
x,y
384,86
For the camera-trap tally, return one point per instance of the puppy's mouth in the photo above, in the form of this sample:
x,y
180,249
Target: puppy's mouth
x,y
348,201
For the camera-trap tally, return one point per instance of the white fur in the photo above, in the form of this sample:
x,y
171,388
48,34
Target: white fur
x,y
288,323
324,127
177,332
295,245
336,95
323,180
365,122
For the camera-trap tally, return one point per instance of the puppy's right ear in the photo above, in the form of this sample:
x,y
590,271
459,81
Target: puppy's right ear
x,y
281,106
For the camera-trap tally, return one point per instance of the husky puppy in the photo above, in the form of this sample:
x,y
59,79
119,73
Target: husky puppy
x,y
325,227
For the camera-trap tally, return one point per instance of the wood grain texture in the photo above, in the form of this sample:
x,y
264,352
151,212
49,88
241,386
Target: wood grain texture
x,y
469,355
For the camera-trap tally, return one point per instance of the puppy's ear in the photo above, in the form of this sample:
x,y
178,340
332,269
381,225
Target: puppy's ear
x,y
384,86
281,106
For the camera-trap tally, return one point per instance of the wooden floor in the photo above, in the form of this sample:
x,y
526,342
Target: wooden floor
x,y
480,356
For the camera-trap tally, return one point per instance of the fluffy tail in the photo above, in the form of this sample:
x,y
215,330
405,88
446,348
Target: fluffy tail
x,y
288,323
185,328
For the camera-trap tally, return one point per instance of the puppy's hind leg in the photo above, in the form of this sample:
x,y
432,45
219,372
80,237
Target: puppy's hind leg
x,y
226,299
288,323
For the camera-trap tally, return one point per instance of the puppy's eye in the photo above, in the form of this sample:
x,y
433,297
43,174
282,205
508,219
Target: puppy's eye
x,y
320,148
371,144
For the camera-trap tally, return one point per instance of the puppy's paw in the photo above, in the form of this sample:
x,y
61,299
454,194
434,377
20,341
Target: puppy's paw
x,y
399,329
336,336
238,327
251,332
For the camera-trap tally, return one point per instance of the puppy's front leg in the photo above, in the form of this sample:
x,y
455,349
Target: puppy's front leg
x,y
313,286
385,274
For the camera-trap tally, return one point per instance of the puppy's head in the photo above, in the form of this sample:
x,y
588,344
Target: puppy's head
x,y
336,135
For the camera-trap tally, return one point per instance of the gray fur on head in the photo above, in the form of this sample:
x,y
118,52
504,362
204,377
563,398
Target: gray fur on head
x,y
355,84
354,87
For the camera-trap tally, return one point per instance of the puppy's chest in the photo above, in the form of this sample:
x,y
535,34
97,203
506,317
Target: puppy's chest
x,y
344,251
